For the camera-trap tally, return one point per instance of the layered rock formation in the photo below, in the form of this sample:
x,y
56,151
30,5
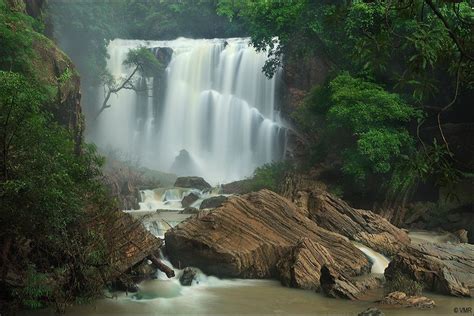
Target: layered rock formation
x,y
249,235
363,226
335,215
442,268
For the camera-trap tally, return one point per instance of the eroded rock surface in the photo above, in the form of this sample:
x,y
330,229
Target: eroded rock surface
x,y
442,268
248,235
363,226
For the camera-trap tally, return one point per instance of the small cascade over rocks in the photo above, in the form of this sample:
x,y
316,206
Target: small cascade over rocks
x,y
213,113
379,261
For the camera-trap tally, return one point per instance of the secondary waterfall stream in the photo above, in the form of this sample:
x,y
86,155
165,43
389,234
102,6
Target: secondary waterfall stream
x,y
214,115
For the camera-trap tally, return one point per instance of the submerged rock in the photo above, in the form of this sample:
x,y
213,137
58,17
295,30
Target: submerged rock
x,y
192,183
401,299
250,234
189,199
441,268
371,311
188,275
213,202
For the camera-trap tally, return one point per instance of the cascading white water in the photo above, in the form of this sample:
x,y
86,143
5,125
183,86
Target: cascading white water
x,y
216,119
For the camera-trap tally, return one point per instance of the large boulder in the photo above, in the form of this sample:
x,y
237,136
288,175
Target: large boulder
x,y
250,234
363,226
189,199
192,183
442,268
213,202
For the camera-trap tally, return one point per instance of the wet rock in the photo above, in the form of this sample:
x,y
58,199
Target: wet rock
x,y
213,202
338,284
371,311
124,286
462,235
441,268
144,270
187,276
363,226
189,210
189,199
192,183
163,54
250,234
401,299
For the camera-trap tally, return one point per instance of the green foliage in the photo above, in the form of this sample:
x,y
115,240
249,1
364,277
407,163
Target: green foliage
x,y
364,122
269,176
402,283
83,30
16,39
36,289
48,194
430,163
143,58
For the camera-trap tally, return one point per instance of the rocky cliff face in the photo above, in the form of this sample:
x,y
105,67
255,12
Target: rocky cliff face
x,y
52,67
300,76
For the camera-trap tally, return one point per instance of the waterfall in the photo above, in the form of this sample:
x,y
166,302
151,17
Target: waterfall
x,y
214,115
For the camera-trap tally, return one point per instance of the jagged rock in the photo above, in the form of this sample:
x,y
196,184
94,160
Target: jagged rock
x,y
189,210
250,234
187,276
371,311
363,226
301,267
442,268
189,199
401,299
213,202
192,183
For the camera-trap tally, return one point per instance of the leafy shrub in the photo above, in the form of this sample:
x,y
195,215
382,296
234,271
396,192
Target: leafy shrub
x,y
269,176
402,283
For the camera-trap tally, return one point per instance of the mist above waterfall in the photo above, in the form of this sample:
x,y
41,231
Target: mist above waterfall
x,y
214,114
